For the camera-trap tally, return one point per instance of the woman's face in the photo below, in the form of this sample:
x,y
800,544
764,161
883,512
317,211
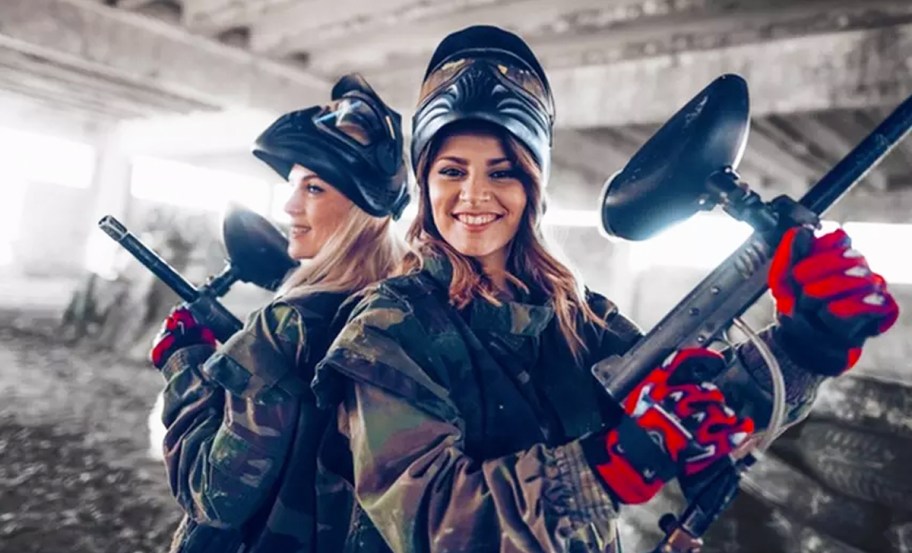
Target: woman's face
x,y
317,210
477,199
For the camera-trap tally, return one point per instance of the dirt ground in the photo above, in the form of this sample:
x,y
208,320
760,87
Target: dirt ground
x,y
75,475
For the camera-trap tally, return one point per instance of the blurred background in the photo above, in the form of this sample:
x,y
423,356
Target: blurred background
x,y
146,109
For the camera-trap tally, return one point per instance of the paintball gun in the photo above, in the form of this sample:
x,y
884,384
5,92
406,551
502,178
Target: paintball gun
x,y
257,253
689,165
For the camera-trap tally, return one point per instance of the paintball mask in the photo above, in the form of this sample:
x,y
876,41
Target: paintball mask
x,y
487,74
354,143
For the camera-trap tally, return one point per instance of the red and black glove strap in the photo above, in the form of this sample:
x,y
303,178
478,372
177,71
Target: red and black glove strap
x,y
632,466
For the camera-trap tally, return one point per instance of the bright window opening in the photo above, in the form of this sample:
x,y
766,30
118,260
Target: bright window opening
x,y
701,242
878,242
26,160
47,159
705,240
281,191
188,186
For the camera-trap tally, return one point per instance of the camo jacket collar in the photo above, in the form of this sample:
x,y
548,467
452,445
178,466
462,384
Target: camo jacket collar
x,y
520,318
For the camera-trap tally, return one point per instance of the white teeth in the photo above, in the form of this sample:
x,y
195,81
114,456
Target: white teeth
x,y
476,219
852,254
874,299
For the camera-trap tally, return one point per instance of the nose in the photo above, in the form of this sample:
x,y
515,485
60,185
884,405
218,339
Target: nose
x,y
296,201
476,188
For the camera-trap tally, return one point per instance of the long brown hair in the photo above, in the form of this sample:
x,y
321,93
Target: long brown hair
x,y
529,262
363,250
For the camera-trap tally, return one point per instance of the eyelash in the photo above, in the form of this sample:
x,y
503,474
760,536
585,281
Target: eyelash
x,y
313,189
506,174
451,172
502,174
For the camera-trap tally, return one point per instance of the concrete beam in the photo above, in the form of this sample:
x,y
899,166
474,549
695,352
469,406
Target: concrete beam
x,y
71,86
111,45
899,162
830,145
839,70
587,153
211,17
302,27
865,204
657,28
853,69
51,118
584,32
575,32
404,29
783,172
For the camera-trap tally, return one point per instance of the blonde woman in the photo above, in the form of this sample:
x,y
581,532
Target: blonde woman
x,y
242,425
467,406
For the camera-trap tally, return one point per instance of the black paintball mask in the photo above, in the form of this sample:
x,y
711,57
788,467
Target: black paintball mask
x,y
354,143
488,74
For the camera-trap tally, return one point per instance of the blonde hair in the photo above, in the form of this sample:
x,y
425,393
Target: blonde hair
x,y
529,261
364,250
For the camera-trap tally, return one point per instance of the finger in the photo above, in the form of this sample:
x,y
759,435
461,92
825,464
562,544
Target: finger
x,y
836,240
795,244
786,253
840,285
877,312
827,263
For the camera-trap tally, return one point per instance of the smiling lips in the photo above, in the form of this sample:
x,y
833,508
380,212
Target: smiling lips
x,y
477,221
298,230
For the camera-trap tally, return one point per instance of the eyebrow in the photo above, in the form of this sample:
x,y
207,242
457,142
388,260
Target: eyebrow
x,y
463,161
307,179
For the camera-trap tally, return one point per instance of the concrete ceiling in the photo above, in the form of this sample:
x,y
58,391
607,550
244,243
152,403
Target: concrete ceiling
x,y
822,73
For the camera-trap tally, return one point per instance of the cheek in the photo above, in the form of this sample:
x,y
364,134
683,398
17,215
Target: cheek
x,y
439,198
515,202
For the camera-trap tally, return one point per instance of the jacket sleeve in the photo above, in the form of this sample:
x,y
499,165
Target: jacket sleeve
x,y
228,427
411,473
746,383
748,387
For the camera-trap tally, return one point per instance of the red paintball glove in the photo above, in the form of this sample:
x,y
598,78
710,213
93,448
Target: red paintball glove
x,y
671,429
828,300
179,330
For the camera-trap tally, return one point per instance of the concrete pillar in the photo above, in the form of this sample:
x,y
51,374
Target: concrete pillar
x,y
111,196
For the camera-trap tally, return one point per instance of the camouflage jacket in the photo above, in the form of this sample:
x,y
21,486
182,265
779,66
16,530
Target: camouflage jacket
x,y
463,426
242,429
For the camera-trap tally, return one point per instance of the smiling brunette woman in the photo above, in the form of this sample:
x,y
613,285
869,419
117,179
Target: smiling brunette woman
x,y
467,410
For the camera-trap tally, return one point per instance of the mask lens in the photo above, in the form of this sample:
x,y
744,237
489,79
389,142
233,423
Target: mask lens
x,y
517,76
353,118
529,82
442,76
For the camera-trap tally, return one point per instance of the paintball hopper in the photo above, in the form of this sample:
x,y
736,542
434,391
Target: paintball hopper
x,y
668,179
257,249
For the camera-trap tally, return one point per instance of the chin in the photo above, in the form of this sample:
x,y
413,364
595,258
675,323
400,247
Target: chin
x,y
303,249
300,254
472,250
